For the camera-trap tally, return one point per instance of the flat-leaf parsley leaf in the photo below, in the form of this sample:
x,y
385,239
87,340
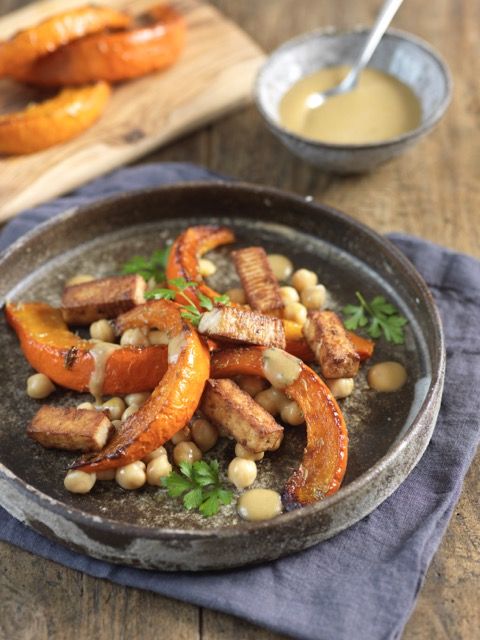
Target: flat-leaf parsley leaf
x,y
199,483
377,317
151,267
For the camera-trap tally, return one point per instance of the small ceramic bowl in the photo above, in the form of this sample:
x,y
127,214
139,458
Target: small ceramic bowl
x,y
402,55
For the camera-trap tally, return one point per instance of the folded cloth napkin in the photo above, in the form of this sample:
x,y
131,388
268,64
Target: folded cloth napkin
x,y
362,583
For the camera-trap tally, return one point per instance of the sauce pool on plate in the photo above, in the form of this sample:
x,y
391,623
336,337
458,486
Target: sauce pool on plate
x,y
379,108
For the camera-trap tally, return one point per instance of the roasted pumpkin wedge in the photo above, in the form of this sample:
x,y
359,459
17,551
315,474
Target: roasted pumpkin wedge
x,y
185,253
56,31
112,56
82,365
363,346
325,456
48,123
175,399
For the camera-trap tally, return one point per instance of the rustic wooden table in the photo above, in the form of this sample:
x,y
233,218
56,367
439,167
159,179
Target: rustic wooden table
x,y
432,192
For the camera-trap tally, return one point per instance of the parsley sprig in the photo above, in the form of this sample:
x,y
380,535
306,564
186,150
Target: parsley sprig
x,y
151,267
377,316
189,310
199,483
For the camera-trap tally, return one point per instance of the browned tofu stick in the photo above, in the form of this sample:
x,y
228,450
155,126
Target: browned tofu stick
x,y
258,280
234,412
327,338
242,325
69,428
105,298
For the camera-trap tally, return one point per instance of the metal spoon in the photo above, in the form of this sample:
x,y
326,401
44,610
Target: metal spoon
x,y
382,22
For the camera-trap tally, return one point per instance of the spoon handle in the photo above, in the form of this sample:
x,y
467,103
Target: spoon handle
x,y
382,22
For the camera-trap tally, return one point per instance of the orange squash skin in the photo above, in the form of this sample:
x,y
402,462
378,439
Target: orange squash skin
x,y
48,123
174,400
325,457
66,359
58,30
112,56
185,253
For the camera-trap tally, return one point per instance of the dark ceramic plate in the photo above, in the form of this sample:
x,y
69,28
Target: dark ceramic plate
x,y
388,432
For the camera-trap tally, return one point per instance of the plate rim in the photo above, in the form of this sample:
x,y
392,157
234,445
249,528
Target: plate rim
x,y
432,398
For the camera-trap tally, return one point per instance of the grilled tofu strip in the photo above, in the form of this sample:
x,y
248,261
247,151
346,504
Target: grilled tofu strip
x,y
235,413
69,428
326,336
105,298
260,285
241,325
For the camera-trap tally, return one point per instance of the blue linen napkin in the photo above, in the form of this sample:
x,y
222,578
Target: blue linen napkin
x,y
361,584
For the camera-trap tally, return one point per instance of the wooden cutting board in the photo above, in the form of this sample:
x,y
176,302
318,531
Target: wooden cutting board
x,y
213,76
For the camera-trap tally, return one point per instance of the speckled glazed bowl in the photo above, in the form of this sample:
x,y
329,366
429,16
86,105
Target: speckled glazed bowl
x,y
387,432
402,55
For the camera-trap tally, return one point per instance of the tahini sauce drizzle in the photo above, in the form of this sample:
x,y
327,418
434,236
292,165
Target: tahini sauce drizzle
x,y
380,107
100,353
280,368
259,504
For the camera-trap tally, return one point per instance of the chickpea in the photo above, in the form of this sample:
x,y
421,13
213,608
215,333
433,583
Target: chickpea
x,y
158,337
237,295
109,474
272,400
186,452
115,407
243,452
304,278
87,406
39,386
288,295
134,338
340,387
292,414
102,330
129,411
80,278
137,398
157,469
156,453
296,312
251,384
281,266
206,268
131,476
387,376
204,434
242,473
314,297
181,436
79,481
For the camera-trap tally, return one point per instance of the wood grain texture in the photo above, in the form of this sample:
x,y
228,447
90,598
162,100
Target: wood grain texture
x,y
213,76
433,191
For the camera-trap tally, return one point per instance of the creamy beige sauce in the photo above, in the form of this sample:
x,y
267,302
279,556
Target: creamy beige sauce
x,y
259,504
175,347
380,107
100,353
280,368
387,376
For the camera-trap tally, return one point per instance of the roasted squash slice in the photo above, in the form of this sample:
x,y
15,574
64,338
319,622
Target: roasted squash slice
x,y
175,399
112,56
71,362
325,456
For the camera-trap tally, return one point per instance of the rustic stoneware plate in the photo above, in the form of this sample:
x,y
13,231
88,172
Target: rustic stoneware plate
x,y
388,432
